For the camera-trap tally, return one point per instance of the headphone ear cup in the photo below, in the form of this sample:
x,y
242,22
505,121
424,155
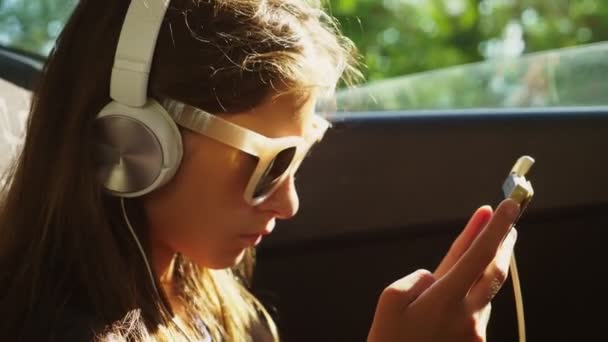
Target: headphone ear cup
x,y
138,149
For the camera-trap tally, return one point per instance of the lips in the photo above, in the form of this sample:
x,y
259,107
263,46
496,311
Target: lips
x,y
265,231
255,238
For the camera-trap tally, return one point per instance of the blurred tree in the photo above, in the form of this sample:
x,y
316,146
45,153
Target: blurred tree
x,y
396,37
399,37
32,25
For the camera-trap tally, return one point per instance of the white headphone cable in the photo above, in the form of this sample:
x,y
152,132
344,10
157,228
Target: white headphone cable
x,y
519,302
145,258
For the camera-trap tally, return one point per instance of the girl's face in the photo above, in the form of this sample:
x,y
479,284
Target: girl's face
x,y
201,213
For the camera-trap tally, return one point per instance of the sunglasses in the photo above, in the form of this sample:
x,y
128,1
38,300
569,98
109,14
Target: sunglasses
x,y
276,158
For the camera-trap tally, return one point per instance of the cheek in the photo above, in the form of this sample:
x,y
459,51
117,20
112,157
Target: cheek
x,y
200,211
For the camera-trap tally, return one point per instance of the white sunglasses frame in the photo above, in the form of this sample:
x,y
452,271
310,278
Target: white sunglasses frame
x,y
264,148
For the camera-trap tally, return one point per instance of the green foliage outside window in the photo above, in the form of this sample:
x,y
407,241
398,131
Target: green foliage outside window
x,y
395,37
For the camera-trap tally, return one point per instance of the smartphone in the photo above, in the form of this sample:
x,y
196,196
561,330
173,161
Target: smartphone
x,y
516,186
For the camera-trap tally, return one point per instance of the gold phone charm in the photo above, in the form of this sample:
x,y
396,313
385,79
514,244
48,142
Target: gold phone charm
x,y
519,189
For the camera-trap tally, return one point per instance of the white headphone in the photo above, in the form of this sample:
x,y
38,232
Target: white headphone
x,y
139,145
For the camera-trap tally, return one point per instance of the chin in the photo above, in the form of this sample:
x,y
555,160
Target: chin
x,y
224,261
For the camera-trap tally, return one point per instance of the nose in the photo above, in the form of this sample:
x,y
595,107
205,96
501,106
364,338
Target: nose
x,y
284,201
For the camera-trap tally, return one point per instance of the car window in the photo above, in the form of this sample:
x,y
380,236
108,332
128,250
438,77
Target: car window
x,y
402,37
428,55
472,54
568,77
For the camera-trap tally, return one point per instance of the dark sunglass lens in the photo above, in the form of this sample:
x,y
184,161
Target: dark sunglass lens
x,y
275,170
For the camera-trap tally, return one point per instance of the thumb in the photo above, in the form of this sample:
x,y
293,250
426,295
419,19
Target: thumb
x,y
400,294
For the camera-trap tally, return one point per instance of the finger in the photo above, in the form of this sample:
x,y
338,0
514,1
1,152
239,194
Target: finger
x,y
494,275
482,251
480,218
400,294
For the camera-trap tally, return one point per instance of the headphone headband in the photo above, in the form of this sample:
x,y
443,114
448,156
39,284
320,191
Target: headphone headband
x,y
138,144
133,59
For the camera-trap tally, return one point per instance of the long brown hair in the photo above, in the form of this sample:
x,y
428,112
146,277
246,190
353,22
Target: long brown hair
x,y
63,241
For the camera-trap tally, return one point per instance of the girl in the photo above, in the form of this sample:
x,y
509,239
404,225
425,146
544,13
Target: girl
x,y
161,147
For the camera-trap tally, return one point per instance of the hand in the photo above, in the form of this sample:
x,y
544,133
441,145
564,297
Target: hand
x,y
452,304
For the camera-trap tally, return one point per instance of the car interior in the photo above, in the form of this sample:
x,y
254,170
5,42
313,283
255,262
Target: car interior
x,y
388,191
